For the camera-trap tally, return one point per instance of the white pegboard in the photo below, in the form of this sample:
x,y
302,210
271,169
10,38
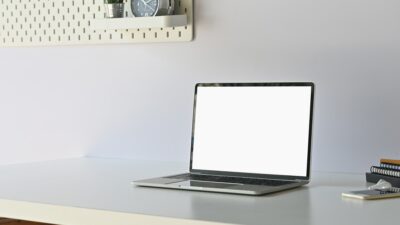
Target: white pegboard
x,y
70,22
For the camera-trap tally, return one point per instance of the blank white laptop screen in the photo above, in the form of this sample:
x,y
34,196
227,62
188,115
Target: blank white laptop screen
x,y
260,129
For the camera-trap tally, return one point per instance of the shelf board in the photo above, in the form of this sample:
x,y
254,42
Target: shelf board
x,y
140,22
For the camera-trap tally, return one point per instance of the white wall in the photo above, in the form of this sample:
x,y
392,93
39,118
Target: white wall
x,y
135,101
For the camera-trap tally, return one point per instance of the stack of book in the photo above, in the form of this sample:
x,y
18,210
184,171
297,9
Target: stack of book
x,y
389,170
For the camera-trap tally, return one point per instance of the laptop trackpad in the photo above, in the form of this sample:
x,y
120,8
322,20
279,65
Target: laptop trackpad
x,y
204,184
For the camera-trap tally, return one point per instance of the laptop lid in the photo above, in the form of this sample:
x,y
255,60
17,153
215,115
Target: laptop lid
x,y
258,130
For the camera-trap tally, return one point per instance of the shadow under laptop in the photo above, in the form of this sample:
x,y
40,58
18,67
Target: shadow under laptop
x,y
280,208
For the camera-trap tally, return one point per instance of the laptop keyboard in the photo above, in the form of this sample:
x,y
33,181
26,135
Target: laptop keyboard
x,y
224,179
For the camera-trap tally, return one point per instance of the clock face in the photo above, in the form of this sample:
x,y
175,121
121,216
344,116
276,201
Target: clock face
x,y
142,8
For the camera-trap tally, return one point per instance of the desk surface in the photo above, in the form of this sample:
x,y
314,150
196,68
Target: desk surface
x,y
98,191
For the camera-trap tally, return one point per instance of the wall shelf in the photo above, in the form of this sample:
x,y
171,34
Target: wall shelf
x,y
55,22
140,22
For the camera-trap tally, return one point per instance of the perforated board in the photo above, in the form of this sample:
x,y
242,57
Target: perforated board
x,y
68,22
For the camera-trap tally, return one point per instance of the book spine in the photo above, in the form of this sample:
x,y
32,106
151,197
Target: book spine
x,y
390,166
374,178
384,171
390,161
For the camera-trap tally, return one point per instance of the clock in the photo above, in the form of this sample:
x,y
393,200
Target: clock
x,y
142,8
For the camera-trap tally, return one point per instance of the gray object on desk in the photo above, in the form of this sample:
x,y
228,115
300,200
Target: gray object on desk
x,y
247,138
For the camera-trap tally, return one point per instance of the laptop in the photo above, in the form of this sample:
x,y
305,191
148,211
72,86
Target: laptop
x,y
247,138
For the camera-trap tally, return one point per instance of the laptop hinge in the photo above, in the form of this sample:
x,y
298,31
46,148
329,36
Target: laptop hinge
x,y
208,174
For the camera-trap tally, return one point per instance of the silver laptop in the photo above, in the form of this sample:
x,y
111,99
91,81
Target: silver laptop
x,y
247,138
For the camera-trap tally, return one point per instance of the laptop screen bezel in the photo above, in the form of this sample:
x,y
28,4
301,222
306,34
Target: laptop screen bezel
x,y
255,175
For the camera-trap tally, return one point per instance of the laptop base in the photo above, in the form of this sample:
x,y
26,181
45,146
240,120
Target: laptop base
x,y
220,187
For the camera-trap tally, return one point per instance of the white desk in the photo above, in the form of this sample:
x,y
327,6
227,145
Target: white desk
x,y
98,192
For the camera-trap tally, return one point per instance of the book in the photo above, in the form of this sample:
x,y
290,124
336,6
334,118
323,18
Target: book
x,y
391,161
374,178
390,166
385,171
